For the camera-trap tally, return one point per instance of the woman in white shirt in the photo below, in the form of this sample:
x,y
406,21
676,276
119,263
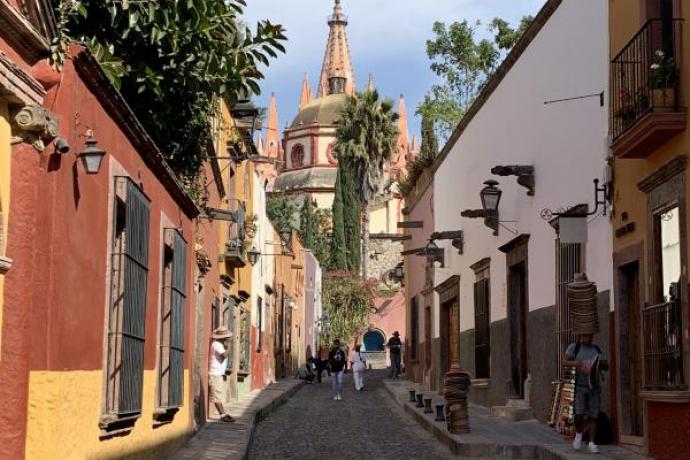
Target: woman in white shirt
x,y
358,365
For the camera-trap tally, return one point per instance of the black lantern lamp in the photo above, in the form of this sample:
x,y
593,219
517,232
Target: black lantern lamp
x,y
92,156
253,255
399,273
435,254
491,196
246,117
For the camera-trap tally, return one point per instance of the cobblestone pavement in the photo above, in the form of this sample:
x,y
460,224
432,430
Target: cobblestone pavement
x,y
364,425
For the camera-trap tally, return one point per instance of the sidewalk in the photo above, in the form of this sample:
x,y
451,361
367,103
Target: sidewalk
x,y
230,441
493,437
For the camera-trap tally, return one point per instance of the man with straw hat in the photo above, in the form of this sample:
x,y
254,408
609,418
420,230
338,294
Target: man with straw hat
x,y
220,349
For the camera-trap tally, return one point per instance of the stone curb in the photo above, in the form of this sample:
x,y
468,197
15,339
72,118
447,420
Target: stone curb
x,y
484,450
264,412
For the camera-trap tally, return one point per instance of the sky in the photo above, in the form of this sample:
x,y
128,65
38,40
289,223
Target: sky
x,y
387,39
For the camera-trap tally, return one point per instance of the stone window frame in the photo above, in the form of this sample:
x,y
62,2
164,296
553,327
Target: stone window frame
x,y
666,188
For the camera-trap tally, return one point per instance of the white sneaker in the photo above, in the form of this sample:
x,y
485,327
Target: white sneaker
x,y
577,443
340,398
593,448
335,398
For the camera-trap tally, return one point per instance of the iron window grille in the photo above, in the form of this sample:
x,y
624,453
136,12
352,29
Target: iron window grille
x,y
128,281
663,351
414,326
245,344
482,326
569,261
174,296
260,324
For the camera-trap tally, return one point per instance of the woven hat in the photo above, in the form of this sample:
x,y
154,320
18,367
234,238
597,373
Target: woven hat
x,y
221,333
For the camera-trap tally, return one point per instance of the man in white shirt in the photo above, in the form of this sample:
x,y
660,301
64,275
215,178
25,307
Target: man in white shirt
x,y
220,349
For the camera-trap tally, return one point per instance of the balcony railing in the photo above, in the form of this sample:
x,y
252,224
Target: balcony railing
x,y
662,339
645,76
235,251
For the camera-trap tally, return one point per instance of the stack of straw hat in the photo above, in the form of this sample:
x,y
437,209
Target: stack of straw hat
x,y
455,388
582,299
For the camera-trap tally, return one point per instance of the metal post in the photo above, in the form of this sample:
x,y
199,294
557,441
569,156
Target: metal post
x,y
427,406
420,403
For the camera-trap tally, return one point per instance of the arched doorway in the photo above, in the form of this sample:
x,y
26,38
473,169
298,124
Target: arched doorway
x,y
374,340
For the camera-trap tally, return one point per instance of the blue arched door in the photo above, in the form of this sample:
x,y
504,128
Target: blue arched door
x,y
374,340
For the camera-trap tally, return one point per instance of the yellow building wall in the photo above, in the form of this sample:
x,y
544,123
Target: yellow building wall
x,y
5,136
64,409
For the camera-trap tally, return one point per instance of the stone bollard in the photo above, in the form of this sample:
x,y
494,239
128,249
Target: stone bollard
x,y
412,396
420,403
427,406
439,413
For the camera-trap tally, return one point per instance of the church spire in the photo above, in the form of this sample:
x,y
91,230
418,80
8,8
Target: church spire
x,y
403,133
370,84
272,131
306,96
336,62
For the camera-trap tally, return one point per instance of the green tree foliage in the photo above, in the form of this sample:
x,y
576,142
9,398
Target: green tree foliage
x,y
348,299
427,154
346,212
171,59
315,229
281,211
464,63
365,140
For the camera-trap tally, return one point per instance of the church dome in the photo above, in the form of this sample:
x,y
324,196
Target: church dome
x,y
322,111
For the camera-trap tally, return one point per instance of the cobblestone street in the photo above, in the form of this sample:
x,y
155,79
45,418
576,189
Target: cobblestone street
x,y
364,425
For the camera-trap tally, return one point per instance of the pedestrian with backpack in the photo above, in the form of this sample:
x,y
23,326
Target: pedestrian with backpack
x,y
338,362
359,364
589,362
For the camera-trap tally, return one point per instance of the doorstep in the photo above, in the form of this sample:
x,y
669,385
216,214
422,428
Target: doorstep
x,y
493,437
225,441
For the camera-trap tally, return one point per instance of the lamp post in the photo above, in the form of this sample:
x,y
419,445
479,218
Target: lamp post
x,y
92,156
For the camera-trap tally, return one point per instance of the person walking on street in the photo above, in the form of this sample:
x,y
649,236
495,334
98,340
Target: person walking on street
x,y
220,349
589,362
395,345
359,364
323,355
338,362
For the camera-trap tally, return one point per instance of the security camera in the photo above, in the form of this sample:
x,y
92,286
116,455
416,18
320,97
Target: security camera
x,y
61,145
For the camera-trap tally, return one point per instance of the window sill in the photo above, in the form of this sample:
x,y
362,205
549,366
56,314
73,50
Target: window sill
x,y
5,264
481,383
164,415
115,425
670,396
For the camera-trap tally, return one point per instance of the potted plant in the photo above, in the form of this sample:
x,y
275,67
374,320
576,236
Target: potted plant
x,y
631,105
663,80
250,226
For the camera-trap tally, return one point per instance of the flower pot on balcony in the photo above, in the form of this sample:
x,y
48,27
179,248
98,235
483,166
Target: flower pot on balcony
x,y
663,97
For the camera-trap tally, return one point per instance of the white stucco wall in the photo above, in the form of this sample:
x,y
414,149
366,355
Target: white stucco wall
x,y
566,142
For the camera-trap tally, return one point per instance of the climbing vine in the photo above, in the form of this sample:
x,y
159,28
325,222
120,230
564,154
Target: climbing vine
x,y
348,300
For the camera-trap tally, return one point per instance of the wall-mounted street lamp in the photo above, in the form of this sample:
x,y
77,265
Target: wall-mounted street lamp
x,y
246,117
92,156
399,273
491,197
253,255
434,254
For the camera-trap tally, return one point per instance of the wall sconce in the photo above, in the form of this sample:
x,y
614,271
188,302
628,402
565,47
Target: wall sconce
x,y
491,197
435,254
91,156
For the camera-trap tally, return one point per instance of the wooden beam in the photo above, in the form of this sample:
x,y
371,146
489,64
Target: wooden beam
x,y
411,224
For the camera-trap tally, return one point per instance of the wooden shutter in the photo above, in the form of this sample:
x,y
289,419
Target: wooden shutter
x,y
482,327
177,311
137,210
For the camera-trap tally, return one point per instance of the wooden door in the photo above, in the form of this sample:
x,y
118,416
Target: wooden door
x,y
517,320
631,284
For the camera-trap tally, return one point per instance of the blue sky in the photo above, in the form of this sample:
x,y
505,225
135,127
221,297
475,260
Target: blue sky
x,y
387,38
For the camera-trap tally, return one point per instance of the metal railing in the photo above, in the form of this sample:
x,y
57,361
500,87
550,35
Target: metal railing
x,y
569,261
662,339
644,75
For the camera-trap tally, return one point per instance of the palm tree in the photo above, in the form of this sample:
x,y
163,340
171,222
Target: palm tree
x,y
365,140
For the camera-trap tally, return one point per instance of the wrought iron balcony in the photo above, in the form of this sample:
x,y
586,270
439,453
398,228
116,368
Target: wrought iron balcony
x,y
646,109
235,250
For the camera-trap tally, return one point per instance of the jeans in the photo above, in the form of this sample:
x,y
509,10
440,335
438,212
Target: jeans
x,y
359,379
337,383
395,365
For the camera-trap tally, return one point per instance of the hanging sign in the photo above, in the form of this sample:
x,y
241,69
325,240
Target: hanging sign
x,y
573,229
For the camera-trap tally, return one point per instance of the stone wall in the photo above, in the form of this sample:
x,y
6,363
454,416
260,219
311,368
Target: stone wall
x,y
384,254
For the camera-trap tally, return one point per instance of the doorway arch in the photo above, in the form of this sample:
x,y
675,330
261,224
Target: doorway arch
x,y
374,340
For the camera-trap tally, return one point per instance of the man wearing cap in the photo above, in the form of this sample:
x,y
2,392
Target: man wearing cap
x,y
220,349
395,345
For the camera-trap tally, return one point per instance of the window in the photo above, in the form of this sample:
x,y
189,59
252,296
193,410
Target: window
x,y
245,343
173,300
662,322
569,261
414,328
427,336
215,314
482,320
297,156
128,280
260,323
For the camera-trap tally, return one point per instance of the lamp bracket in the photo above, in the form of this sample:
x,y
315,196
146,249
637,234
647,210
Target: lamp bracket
x,y
473,213
602,196
524,173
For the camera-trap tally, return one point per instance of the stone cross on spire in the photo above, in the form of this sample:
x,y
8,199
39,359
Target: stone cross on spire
x,y
337,61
